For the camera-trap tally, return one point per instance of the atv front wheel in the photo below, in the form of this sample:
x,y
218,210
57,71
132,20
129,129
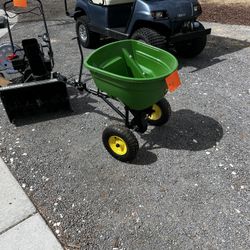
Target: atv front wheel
x,y
150,36
192,48
88,38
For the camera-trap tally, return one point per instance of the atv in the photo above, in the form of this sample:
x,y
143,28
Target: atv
x,y
162,23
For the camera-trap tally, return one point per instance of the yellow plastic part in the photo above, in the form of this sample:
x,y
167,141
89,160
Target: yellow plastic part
x,y
118,145
156,115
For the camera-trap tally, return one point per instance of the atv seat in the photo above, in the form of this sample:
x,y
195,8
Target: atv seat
x,y
35,58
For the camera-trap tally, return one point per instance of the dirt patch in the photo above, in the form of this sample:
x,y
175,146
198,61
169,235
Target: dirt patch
x,y
228,14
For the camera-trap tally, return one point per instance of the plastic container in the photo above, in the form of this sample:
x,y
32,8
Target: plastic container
x,y
132,72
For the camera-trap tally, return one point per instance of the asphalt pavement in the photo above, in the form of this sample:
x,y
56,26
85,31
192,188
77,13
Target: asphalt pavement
x,y
13,21
188,187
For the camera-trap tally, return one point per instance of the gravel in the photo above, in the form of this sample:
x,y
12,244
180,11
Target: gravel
x,y
188,187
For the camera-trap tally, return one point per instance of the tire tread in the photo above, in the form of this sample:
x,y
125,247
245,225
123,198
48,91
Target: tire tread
x,y
127,136
93,38
150,36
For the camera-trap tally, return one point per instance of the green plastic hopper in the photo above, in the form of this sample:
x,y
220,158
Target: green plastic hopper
x,y
132,72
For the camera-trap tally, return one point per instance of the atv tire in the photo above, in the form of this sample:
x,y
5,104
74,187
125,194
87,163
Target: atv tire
x,y
88,38
150,36
192,48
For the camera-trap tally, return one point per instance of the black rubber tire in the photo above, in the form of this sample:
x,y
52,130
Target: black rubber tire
x,y
192,48
129,138
93,38
150,36
166,111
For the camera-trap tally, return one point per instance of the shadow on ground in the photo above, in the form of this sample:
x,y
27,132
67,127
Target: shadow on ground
x,y
187,130
216,48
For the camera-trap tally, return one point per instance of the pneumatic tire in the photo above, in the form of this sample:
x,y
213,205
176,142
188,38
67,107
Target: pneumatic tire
x,y
150,36
88,38
161,113
120,142
192,48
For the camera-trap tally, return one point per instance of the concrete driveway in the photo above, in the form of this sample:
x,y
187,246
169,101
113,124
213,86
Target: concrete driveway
x,y
188,187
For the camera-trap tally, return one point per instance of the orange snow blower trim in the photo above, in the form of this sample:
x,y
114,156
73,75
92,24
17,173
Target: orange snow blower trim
x,y
20,3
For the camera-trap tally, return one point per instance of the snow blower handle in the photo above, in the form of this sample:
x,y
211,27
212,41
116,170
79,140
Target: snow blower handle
x,y
66,8
82,59
24,4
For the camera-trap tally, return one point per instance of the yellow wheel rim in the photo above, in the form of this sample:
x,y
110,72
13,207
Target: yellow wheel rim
x,y
118,145
156,115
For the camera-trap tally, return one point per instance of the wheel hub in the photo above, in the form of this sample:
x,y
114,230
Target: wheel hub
x,y
157,113
118,145
83,33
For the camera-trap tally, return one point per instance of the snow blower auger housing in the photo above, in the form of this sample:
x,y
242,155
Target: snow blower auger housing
x,y
35,88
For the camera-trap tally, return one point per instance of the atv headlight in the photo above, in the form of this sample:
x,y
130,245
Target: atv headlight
x,y
197,8
159,14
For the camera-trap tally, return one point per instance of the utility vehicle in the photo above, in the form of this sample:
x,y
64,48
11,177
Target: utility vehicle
x,y
161,23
